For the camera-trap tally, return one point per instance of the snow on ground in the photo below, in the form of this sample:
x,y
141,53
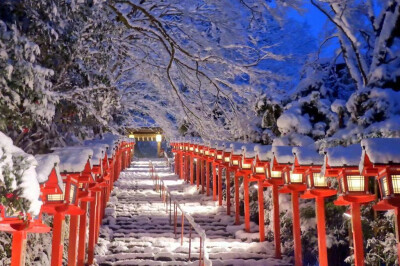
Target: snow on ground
x,y
136,229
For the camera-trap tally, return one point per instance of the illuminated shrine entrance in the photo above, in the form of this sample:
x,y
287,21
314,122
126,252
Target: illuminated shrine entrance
x,y
148,141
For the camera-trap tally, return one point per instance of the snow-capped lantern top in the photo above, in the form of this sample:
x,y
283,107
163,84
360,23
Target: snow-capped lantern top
x,y
343,163
227,154
305,156
263,152
236,154
380,151
343,156
283,154
381,158
99,157
74,159
308,162
236,148
262,161
248,150
48,175
219,151
281,162
99,152
248,156
111,148
19,162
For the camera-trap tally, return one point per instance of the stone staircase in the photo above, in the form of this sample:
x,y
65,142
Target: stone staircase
x,y
136,229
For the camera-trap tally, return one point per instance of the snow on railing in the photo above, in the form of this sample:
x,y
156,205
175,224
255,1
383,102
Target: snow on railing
x,y
166,195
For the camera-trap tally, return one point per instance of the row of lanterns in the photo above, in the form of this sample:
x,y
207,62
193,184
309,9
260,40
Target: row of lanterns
x,y
301,172
79,182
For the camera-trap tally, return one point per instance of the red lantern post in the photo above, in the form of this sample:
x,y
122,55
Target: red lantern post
x,y
218,163
175,151
245,170
308,162
210,157
234,166
294,184
226,161
75,166
260,165
49,181
381,158
343,163
274,179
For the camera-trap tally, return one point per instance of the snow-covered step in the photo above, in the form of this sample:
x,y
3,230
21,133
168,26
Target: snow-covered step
x,y
137,230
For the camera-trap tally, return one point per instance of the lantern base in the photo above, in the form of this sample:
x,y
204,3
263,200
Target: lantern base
x,y
13,225
290,188
345,200
318,192
387,204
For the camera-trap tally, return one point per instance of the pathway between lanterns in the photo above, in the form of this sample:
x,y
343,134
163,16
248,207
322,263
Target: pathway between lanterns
x,y
136,229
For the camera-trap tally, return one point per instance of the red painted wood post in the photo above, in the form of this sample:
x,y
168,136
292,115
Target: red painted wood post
x,y
207,178
191,170
220,185
82,236
214,181
73,237
277,226
320,211
397,229
203,176
228,191
92,225
357,234
261,226
187,178
246,204
57,245
18,248
176,163
198,166
98,217
181,165
237,201
298,258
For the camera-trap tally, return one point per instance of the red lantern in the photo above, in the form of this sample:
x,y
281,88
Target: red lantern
x,y
236,158
75,167
245,166
294,184
381,158
260,165
343,163
308,162
209,153
217,175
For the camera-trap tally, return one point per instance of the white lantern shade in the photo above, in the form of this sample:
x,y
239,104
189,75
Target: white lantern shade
x,y
158,138
260,170
396,184
319,180
296,178
246,166
276,174
355,183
